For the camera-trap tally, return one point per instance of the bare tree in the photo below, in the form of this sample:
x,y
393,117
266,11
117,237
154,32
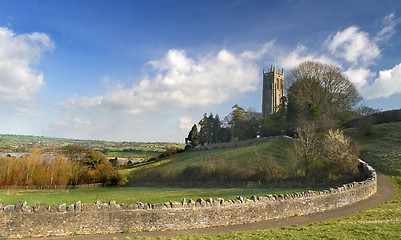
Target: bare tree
x,y
338,89
318,92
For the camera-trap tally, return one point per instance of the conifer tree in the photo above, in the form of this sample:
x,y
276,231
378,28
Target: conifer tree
x,y
192,140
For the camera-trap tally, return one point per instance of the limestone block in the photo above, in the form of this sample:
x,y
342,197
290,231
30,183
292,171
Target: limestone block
x,y
88,207
62,208
70,208
200,203
147,206
9,209
18,206
27,209
157,206
133,207
191,203
140,205
209,202
40,207
175,204
54,208
104,207
241,199
78,206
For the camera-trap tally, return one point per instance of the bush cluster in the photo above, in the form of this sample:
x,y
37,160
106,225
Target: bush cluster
x,y
36,169
325,156
32,170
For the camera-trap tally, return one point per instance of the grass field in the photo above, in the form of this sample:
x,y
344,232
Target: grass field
x,y
132,154
130,195
238,162
382,150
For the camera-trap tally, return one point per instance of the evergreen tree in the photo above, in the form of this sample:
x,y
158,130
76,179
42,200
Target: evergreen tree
x,y
204,130
192,140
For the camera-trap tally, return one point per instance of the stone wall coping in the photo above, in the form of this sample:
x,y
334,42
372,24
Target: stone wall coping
x,y
42,208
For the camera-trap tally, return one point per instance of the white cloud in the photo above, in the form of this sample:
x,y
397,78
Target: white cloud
x,y
359,76
75,102
19,81
389,24
260,53
353,45
301,54
185,123
359,51
387,84
73,122
179,81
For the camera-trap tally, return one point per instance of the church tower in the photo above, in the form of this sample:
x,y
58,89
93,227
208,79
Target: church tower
x,y
273,91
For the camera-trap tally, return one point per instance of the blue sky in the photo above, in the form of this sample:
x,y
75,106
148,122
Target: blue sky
x,y
148,70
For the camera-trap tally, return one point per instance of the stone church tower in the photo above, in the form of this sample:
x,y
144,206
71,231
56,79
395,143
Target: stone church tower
x,y
273,91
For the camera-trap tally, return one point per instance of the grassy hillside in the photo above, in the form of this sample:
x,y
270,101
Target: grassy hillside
x,y
218,165
382,150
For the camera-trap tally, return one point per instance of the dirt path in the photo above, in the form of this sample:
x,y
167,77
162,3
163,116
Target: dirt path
x,y
384,193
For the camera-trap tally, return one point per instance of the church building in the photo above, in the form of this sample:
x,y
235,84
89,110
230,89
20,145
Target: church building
x,y
273,91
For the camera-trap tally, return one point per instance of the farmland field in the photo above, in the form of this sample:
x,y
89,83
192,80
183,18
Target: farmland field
x,y
19,143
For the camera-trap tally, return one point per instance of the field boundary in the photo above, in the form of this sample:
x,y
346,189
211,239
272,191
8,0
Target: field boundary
x,y
49,187
20,220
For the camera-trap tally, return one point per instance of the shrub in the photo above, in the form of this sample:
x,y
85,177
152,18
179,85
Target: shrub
x,y
324,157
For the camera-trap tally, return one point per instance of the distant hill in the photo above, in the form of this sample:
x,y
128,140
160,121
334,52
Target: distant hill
x,y
23,143
376,118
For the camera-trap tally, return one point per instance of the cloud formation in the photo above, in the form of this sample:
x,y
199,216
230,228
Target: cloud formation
x,y
387,84
179,81
356,51
301,54
358,48
19,81
353,45
185,123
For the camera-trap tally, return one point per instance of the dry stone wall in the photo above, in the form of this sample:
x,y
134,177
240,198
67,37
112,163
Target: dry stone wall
x,y
21,220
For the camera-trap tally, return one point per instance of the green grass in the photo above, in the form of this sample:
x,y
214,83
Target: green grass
x,y
128,170
133,154
383,151
246,157
130,195
243,155
382,148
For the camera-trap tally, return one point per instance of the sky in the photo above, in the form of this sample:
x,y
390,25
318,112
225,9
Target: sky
x,y
146,71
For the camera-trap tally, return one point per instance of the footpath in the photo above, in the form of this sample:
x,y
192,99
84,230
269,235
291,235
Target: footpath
x,y
385,192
